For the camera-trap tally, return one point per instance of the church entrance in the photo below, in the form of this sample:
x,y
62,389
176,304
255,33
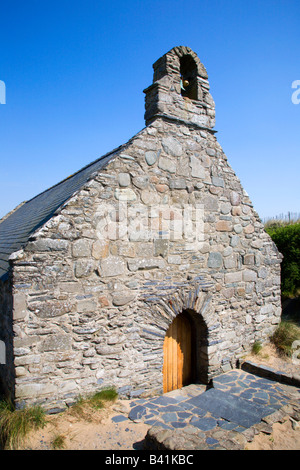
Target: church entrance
x,y
178,354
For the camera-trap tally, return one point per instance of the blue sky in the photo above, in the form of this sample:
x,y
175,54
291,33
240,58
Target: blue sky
x,y
75,73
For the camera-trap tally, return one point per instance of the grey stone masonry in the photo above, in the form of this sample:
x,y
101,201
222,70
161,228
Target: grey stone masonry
x,y
165,227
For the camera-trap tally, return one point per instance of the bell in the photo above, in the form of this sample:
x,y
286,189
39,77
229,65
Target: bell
x,y
186,83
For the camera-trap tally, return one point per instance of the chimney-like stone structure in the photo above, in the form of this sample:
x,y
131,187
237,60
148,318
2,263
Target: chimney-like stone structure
x,y
180,90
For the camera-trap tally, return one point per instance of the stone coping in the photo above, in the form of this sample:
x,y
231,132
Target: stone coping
x,y
261,370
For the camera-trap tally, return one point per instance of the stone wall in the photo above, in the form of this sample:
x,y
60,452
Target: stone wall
x,y
97,287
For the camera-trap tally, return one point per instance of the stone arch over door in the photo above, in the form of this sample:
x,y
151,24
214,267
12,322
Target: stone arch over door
x,y
198,306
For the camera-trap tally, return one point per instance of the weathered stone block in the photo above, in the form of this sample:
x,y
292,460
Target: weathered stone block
x,y
86,306
215,260
108,350
248,259
81,248
161,188
263,273
103,301
61,342
225,207
149,197
19,306
210,203
236,210
124,179
223,226
230,262
211,152
112,266
100,249
235,198
227,251
204,247
83,268
34,390
161,247
141,182
151,157
266,309
50,309
172,146
249,229
48,244
235,240
148,263
167,164
28,360
178,183
69,287
183,167
238,228
174,259
122,298
249,275
126,194
233,277
217,181
198,171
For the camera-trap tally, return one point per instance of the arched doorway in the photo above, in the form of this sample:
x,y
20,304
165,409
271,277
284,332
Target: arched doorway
x,y
178,354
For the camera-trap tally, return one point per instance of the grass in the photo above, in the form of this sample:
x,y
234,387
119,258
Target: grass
x,y
282,221
283,338
58,442
99,398
16,424
256,348
82,408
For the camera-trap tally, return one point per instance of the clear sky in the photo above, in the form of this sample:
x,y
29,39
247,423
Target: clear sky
x,y
75,71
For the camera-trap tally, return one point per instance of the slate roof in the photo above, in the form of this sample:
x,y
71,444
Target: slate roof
x,y
17,227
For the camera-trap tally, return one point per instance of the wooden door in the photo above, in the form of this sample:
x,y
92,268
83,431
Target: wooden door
x,y
177,368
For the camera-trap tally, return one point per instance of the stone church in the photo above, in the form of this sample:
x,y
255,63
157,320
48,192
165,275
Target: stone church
x,y
146,270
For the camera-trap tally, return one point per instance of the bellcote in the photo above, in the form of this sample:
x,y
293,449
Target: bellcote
x,y
180,90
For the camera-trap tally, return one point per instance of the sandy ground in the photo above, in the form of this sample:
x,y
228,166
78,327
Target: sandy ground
x,y
270,357
283,437
95,429
91,431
